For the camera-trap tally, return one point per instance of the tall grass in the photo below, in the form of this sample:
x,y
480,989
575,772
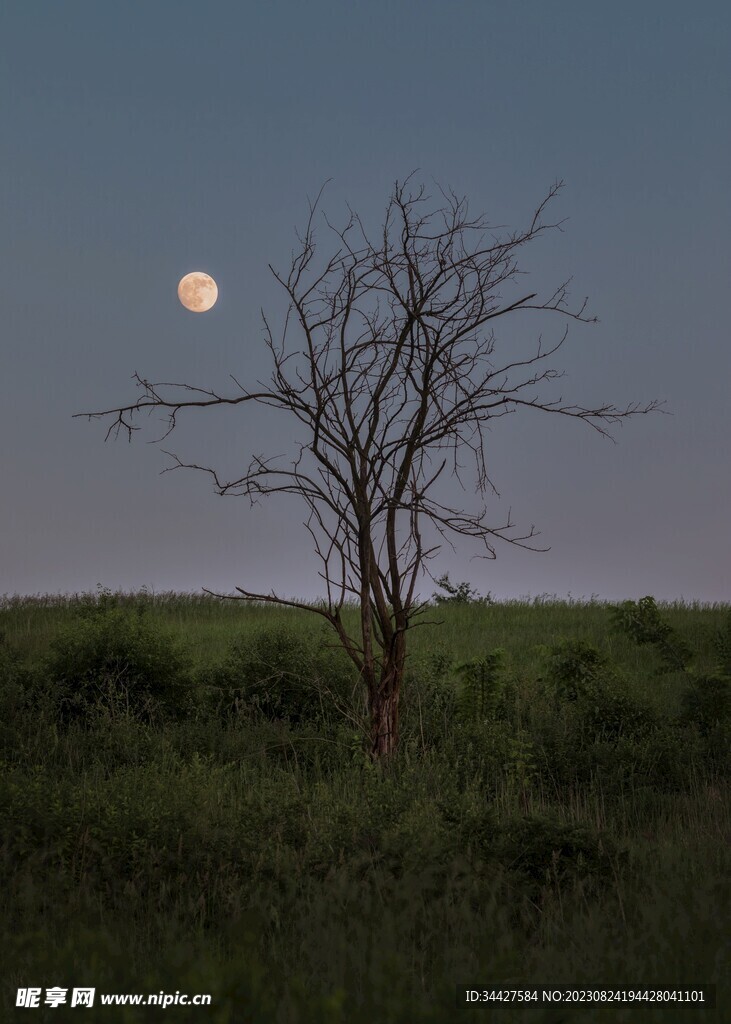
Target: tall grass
x,y
238,850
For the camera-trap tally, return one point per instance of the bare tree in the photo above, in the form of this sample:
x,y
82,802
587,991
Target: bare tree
x,y
391,381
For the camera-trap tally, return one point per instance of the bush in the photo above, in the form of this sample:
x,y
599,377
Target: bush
x,y
564,759
583,676
480,686
458,593
111,659
282,674
14,681
722,644
428,703
608,714
706,702
575,668
544,853
480,753
642,622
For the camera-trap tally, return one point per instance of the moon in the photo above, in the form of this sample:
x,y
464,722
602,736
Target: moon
x,y
198,291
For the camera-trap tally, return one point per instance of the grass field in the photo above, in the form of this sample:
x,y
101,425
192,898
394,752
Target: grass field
x,y
186,806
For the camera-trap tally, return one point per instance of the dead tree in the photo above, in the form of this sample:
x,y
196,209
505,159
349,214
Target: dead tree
x,y
391,381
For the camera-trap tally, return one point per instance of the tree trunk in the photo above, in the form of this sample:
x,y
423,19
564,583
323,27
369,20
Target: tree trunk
x,y
385,713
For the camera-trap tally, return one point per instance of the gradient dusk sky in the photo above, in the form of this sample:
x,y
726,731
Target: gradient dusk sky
x,y
141,141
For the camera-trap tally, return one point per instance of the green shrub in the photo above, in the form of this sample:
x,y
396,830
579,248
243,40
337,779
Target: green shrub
x,y
545,853
336,677
16,694
715,752
481,686
282,674
608,714
706,699
665,759
11,688
583,676
483,753
605,738
641,620
563,758
575,668
8,659
706,702
111,659
458,593
428,700
722,644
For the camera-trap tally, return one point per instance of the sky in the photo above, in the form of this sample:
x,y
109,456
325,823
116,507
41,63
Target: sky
x,y
140,141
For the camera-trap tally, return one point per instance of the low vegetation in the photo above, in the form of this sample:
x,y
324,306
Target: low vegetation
x,y
188,805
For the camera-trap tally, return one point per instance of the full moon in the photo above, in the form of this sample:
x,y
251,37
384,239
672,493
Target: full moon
x,y
197,291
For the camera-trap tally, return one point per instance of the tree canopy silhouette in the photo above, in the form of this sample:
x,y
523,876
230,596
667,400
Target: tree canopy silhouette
x,y
387,366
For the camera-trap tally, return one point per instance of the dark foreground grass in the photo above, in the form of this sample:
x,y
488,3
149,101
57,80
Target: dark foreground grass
x,y
220,843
